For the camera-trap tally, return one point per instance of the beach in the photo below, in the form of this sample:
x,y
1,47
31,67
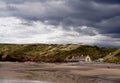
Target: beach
x,y
61,72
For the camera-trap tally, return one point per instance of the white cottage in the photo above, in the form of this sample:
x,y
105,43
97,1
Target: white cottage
x,y
79,59
85,58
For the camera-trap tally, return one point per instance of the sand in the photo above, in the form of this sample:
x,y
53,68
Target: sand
x,y
61,72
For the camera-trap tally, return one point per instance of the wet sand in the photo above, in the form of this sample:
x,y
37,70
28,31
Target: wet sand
x,y
61,72
21,81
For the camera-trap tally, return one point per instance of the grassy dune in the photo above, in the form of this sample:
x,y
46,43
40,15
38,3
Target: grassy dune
x,y
113,57
50,52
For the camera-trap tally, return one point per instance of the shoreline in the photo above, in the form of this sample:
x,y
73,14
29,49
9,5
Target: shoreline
x,y
65,72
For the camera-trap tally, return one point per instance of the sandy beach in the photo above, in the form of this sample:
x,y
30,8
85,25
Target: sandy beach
x,y
61,72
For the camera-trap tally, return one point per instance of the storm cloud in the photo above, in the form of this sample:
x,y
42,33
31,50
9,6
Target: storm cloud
x,y
60,21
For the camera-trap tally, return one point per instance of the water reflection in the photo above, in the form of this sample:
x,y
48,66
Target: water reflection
x,y
21,81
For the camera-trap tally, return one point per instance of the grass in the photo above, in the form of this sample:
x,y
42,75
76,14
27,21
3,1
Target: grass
x,y
50,52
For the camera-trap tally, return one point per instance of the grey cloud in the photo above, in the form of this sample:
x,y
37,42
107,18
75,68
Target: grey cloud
x,y
20,1
102,16
69,12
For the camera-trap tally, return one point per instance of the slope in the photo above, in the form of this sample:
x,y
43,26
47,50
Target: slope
x,y
49,52
113,57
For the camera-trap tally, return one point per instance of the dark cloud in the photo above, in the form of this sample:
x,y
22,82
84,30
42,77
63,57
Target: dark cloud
x,y
111,27
102,16
108,1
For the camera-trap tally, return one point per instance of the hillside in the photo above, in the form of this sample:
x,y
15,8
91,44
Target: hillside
x,y
113,57
50,52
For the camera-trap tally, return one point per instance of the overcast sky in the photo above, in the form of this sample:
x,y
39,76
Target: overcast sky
x,y
94,22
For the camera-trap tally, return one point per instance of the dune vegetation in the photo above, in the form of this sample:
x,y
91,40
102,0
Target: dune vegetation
x,y
113,57
54,52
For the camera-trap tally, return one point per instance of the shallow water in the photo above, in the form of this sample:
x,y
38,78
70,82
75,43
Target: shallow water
x,y
22,81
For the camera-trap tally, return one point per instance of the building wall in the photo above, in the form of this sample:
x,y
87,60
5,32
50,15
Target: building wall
x,y
87,59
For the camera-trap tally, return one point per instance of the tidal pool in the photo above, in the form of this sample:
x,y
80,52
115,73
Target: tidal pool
x,y
21,81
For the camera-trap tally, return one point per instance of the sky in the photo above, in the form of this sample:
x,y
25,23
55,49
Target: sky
x,y
92,22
